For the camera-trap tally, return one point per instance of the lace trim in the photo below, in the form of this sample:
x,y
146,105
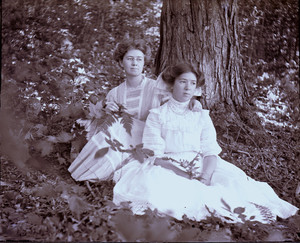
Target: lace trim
x,y
179,108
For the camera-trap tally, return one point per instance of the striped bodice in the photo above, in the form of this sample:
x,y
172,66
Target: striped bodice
x,y
133,97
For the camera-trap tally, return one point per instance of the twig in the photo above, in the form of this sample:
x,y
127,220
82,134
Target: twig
x,y
90,189
237,137
240,151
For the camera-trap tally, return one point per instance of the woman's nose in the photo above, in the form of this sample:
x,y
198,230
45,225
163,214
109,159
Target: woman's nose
x,y
134,62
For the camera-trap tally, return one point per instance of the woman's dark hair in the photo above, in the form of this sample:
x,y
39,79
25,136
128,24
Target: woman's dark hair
x,y
172,72
131,44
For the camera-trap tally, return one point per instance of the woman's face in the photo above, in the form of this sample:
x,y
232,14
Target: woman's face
x,y
133,63
184,87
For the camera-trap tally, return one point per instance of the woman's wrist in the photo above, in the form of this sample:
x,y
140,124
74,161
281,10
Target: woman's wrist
x,y
205,175
205,178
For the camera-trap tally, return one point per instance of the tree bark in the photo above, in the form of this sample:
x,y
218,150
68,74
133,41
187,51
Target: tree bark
x,y
205,33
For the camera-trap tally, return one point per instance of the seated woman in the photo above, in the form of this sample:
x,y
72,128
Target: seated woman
x,y
186,176
138,94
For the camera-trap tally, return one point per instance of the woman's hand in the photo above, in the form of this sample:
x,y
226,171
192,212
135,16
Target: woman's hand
x,y
209,166
111,105
205,178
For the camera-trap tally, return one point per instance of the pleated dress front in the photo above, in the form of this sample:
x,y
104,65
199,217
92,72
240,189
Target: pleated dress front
x,y
138,101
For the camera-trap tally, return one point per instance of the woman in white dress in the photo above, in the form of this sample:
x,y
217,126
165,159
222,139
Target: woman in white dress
x,y
138,94
186,176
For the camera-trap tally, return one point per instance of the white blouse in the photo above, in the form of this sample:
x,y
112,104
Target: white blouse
x,y
174,128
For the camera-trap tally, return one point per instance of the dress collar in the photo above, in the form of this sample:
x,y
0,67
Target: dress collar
x,y
178,103
138,86
177,107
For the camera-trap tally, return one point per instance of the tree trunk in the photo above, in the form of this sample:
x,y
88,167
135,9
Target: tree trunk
x,y
204,32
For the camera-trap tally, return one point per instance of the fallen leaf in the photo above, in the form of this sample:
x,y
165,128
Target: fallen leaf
x,y
45,147
128,226
34,219
46,190
77,205
275,235
64,137
218,236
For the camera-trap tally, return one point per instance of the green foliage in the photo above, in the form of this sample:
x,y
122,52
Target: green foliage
x,y
99,119
189,166
267,153
50,206
58,59
269,43
149,227
101,153
269,32
10,141
135,153
139,153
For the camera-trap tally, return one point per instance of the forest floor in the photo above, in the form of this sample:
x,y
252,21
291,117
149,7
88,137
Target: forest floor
x,y
46,204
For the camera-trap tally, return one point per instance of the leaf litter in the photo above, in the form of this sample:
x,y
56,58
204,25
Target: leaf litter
x,y
45,203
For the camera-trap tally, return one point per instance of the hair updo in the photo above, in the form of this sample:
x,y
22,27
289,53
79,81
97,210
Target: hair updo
x,y
172,72
131,44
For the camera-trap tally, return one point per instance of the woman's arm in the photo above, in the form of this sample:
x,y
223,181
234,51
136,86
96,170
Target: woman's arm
x,y
209,166
210,148
152,138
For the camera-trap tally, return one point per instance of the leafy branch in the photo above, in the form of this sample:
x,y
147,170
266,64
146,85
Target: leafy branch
x,y
190,166
138,152
100,119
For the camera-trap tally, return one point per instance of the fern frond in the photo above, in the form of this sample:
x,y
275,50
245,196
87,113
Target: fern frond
x,y
265,212
227,207
127,121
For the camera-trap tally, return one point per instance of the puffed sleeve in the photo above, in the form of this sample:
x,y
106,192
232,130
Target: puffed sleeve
x,y
152,138
112,95
208,139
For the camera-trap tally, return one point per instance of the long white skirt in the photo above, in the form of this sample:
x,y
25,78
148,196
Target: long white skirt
x,y
89,167
232,195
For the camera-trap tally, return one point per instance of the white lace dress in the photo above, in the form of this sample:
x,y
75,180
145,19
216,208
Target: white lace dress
x,y
174,131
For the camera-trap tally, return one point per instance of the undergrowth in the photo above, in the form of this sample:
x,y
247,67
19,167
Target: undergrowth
x,y
47,204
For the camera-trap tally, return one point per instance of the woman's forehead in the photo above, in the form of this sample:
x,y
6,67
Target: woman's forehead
x,y
134,53
187,76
